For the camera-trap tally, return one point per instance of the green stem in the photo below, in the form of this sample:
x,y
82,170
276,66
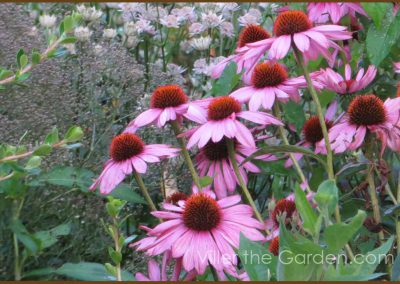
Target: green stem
x,y
314,95
17,261
374,198
144,190
371,182
296,165
231,151
117,247
185,153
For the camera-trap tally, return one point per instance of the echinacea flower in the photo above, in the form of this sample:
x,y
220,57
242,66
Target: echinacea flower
x,y
269,81
168,103
214,161
322,12
249,34
312,133
335,82
285,206
294,28
367,113
129,154
202,231
222,120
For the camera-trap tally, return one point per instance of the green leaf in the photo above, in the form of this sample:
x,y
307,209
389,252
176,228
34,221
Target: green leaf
x,y
327,195
126,192
50,237
362,269
294,114
20,53
33,163
376,11
68,40
52,137
396,269
272,149
5,74
75,133
43,150
205,181
307,214
258,262
290,247
23,61
30,242
23,77
338,235
380,40
227,82
68,24
36,57
90,271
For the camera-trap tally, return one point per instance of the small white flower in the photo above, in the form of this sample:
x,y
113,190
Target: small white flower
x,y
33,32
185,13
255,12
129,28
82,33
201,43
98,49
170,21
226,29
109,33
211,20
152,13
47,21
130,11
200,67
132,41
196,28
89,14
248,19
174,69
144,26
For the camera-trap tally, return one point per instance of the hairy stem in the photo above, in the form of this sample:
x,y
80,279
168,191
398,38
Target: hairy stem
x,y
314,95
296,165
245,190
185,153
144,190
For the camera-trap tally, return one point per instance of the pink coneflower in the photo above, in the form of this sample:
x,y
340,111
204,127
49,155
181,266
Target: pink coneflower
x,y
213,161
295,28
269,81
322,12
222,120
284,206
202,230
312,133
251,33
167,103
129,153
367,113
335,82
